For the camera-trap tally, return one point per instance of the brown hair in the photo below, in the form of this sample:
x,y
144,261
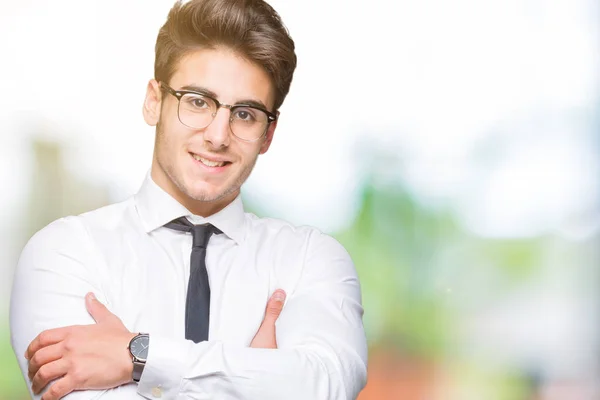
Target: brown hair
x,y
252,28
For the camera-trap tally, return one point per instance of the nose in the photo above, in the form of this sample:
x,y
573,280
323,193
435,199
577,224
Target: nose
x,y
217,133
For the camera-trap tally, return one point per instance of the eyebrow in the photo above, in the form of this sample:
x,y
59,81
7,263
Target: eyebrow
x,y
210,93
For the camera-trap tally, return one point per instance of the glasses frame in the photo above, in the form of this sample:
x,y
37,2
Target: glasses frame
x,y
180,93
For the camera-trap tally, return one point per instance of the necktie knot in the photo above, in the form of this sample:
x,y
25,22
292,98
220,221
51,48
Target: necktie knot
x,y
200,233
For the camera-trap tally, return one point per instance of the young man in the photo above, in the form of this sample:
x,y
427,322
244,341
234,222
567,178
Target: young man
x,y
184,271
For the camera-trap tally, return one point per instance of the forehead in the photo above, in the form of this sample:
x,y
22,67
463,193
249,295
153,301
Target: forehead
x,y
222,71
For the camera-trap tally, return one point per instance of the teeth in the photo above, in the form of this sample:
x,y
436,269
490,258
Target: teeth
x,y
206,162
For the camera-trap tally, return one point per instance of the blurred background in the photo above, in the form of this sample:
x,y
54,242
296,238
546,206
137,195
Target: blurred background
x,y
453,147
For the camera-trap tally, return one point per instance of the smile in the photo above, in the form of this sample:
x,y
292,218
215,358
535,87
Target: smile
x,y
209,163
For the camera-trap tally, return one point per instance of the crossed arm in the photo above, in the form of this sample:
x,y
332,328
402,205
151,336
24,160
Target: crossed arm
x,y
96,356
320,354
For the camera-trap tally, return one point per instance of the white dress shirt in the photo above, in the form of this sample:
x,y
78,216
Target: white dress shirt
x,y
140,270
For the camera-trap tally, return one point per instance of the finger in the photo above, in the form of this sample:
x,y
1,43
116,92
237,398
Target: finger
x,y
59,389
46,338
97,310
47,373
274,307
44,356
265,337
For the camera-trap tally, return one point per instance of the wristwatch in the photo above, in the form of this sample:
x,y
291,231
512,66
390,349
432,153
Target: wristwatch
x,y
138,348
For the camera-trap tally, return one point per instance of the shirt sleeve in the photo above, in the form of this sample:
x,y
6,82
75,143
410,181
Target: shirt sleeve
x,y
322,350
51,279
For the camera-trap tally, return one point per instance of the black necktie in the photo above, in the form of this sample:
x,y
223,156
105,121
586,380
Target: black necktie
x,y
197,305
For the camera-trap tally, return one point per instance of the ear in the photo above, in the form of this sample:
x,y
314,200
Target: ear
x,y
269,136
152,103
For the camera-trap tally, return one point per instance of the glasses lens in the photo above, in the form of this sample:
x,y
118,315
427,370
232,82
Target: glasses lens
x,y
248,123
196,111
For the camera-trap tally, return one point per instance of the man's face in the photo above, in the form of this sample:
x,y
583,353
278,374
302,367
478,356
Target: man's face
x,y
181,153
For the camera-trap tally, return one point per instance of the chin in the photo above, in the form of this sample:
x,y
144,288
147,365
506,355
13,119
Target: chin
x,y
206,194
203,195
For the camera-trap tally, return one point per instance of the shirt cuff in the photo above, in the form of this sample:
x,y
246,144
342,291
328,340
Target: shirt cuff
x,y
165,368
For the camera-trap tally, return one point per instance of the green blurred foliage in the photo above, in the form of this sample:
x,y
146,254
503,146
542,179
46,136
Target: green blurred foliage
x,y
12,384
393,242
405,253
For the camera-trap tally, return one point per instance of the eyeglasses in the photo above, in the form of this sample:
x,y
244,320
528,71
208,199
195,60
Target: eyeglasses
x,y
197,110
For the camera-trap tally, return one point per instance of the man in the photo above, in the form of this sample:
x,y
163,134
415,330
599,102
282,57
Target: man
x,y
164,294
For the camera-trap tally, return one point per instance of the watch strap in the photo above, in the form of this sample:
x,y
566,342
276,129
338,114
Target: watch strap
x,y
138,368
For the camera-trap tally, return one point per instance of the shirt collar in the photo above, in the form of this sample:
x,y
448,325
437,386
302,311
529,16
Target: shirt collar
x,y
156,207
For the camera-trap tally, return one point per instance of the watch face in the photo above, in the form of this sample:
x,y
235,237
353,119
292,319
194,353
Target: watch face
x,y
139,347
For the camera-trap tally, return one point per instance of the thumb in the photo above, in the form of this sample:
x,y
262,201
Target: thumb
x,y
97,310
274,307
265,338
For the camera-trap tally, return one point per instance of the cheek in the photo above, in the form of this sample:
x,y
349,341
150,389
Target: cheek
x,y
167,147
250,151
169,121
171,136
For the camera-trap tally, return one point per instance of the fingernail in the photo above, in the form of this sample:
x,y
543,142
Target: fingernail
x,y
92,296
279,295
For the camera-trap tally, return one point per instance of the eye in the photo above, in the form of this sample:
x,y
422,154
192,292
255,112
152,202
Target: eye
x,y
199,103
245,114
196,102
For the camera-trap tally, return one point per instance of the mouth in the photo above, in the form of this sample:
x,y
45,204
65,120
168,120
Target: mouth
x,y
211,164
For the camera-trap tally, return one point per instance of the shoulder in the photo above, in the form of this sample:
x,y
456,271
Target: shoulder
x,y
283,234
110,217
275,226
279,229
74,233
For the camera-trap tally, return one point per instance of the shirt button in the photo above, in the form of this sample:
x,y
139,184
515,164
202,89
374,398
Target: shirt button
x,y
157,392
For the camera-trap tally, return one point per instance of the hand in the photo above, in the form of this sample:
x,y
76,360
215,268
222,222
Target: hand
x,y
81,357
265,338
